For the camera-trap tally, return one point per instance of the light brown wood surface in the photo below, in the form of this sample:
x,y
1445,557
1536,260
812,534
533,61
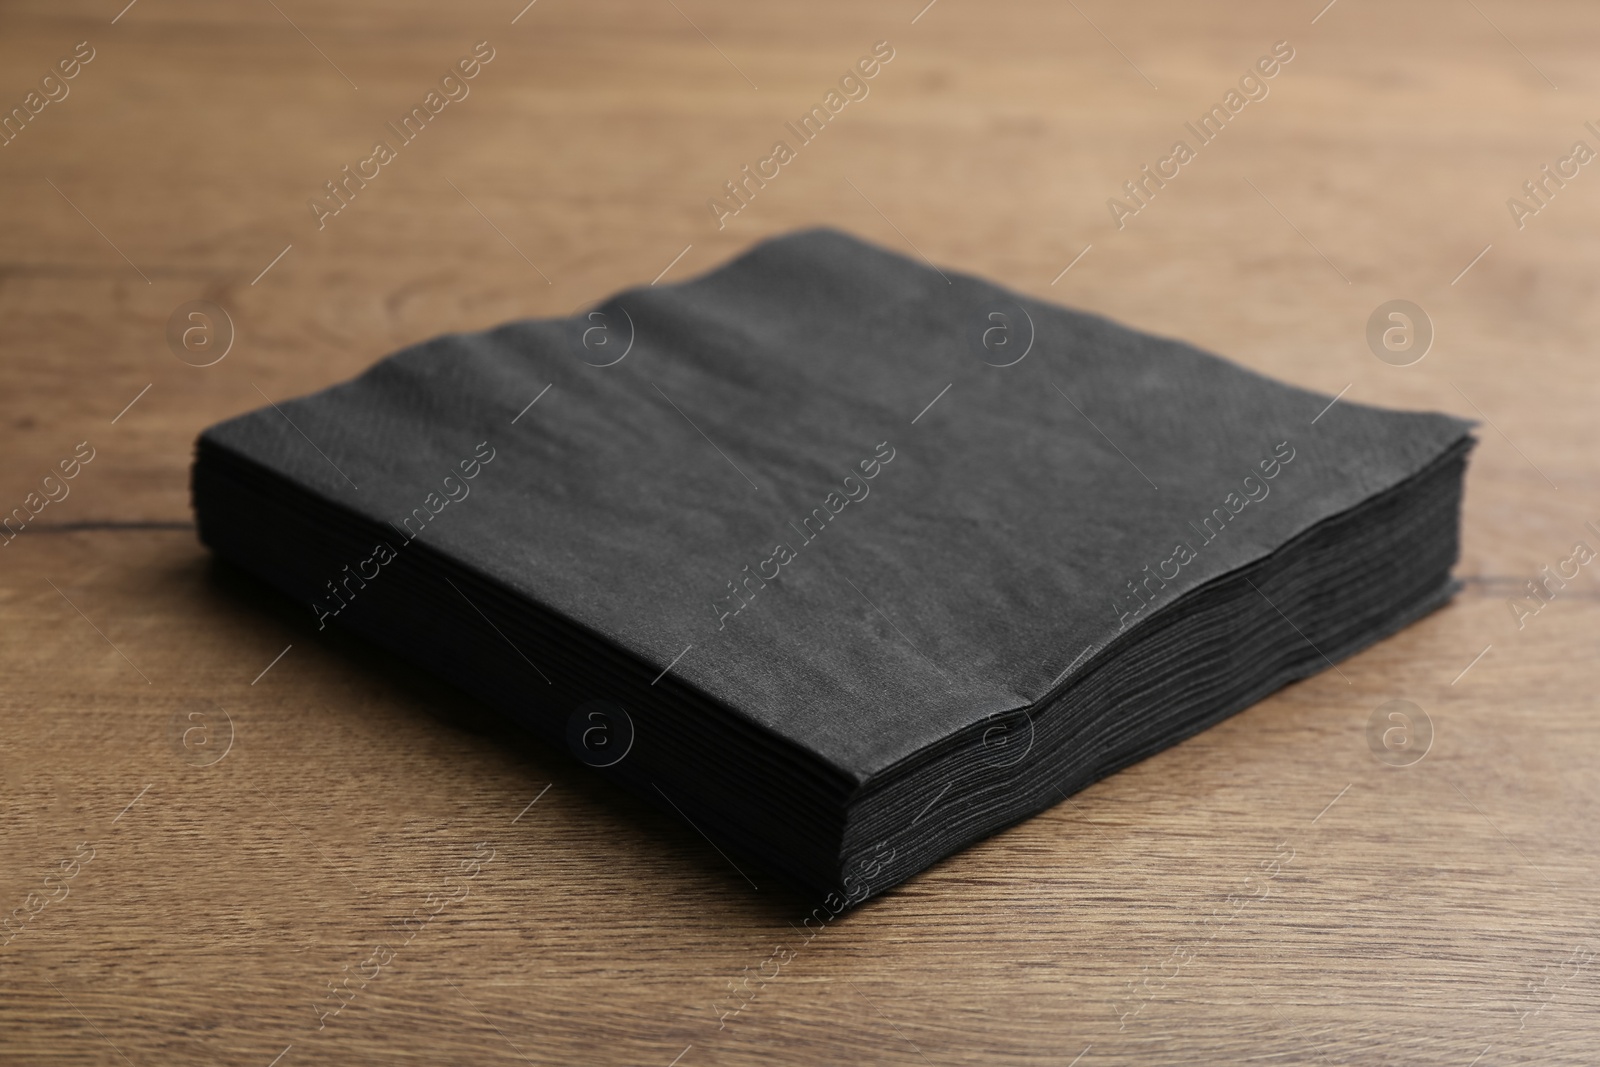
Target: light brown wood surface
x,y
1439,913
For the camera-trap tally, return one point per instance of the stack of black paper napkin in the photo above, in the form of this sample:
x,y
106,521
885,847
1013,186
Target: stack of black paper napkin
x,y
847,561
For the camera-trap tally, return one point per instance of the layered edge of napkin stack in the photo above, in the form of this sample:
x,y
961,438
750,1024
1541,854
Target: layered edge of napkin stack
x,y
1334,588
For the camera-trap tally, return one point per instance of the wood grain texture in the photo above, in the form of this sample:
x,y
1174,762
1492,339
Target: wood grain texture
x,y
1266,892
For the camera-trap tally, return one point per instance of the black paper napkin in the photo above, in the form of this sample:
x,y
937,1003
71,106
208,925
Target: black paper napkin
x,y
849,561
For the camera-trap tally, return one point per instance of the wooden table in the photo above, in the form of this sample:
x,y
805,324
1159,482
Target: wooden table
x,y
214,814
